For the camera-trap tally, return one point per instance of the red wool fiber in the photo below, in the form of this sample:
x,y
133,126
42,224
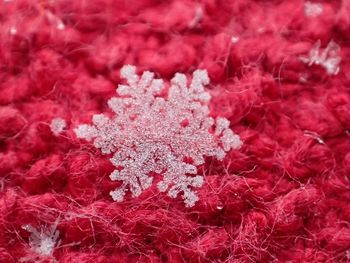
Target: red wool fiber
x,y
284,196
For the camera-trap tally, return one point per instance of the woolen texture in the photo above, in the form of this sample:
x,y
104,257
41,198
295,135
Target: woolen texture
x,y
282,197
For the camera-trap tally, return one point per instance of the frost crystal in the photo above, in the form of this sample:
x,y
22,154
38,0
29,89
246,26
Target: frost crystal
x,y
57,125
329,58
165,135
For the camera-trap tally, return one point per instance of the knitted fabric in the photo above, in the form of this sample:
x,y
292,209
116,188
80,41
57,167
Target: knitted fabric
x,y
279,73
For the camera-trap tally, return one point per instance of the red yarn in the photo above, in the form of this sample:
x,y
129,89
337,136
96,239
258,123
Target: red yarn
x,y
283,197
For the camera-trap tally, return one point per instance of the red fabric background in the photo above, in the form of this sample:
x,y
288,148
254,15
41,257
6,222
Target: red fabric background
x,y
283,197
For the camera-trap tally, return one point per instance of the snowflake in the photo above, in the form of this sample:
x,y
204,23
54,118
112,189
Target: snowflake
x,y
42,241
329,58
165,135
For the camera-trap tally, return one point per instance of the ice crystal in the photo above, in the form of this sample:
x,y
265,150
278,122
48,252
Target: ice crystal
x,y
166,135
312,9
43,241
13,30
329,58
57,126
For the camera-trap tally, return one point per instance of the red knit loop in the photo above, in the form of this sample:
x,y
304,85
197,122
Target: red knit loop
x,y
11,122
45,174
339,103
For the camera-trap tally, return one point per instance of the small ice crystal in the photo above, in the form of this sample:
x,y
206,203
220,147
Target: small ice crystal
x,y
329,58
43,241
312,9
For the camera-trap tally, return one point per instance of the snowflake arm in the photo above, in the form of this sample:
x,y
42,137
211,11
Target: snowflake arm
x,y
57,126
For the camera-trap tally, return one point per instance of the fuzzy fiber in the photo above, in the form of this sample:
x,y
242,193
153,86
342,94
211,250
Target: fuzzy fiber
x,y
282,197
